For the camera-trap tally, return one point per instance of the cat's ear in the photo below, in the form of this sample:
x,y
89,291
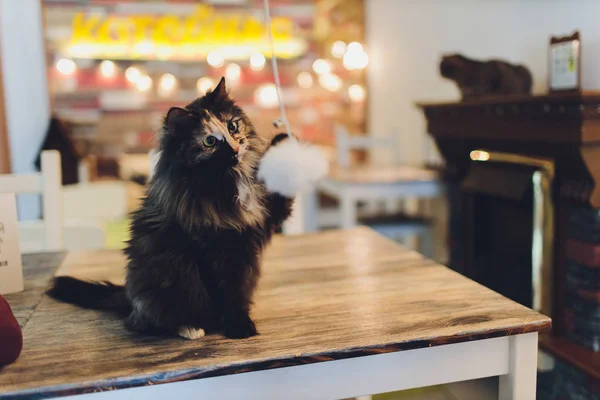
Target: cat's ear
x,y
220,93
177,120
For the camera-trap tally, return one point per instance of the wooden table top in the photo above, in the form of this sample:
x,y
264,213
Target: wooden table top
x,y
324,296
386,174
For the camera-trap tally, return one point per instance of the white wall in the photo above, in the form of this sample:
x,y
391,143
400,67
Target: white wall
x,y
406,39
25,88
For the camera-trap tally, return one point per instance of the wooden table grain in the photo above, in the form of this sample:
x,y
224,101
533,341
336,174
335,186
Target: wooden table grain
x,y
326,296
38,269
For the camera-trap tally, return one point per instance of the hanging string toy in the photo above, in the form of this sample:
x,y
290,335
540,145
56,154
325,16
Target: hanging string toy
x,y
293,165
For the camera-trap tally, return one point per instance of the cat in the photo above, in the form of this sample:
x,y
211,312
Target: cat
x,y
480,78
197,240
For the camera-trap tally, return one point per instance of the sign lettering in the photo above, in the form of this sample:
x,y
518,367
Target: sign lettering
x,y
204,30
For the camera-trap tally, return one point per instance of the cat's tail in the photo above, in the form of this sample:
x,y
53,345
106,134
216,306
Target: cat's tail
x,y
93,295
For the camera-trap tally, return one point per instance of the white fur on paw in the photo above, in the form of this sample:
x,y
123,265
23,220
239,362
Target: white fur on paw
x,y
190,333
289,167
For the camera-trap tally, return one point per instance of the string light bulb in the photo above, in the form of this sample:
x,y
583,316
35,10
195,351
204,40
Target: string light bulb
x,y
355,47
132,74
144,83
331,82
356,93
266,96
305,80
166,84
66,66
215,59
338,49
108,69
257,61
233,73
204,85
321,66
355,57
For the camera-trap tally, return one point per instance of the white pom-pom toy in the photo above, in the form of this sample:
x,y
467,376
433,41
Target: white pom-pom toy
x,y
291,166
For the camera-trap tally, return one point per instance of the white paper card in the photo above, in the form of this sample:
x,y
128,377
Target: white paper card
x,y
11,269
564,66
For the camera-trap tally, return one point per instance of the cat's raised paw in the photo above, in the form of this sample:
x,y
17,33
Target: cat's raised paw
x,y
190,333
240,328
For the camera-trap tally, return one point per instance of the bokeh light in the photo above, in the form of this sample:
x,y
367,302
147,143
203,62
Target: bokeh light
x,y
338,49
356,93
144,83
233,73
257,61
204,84
166,84
266,95
66,66
321,66
305,80
331,82
132,74
215,59
355,57
108,69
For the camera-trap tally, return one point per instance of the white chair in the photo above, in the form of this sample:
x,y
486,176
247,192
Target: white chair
x,y
48,184
389,222
345,143
54,233
77,235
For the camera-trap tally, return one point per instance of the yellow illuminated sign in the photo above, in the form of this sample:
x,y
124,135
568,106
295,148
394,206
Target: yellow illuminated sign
x,y
235,36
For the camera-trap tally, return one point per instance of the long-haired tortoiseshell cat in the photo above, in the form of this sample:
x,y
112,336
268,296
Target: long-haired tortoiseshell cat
x,y
197,240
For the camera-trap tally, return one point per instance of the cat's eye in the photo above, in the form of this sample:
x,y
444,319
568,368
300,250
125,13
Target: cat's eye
x,y
233,126
210,141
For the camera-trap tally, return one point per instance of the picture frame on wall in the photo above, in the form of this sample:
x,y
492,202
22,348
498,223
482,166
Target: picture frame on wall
x,y
564,72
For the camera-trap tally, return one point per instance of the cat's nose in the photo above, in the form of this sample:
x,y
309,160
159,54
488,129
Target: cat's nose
x,y
235,146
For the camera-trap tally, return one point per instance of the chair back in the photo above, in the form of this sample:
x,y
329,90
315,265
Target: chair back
x,y
48,183
345,143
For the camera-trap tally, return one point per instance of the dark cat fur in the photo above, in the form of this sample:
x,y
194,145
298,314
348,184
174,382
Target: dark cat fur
x,y
196,242
485,78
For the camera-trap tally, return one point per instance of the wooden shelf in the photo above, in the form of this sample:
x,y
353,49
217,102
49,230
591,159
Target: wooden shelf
x,y
578,356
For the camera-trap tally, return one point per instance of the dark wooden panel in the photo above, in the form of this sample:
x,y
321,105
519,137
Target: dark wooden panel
x,y
572,118
325,296
582,358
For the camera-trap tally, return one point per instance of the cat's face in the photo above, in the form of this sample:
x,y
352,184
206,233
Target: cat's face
x,y
212,133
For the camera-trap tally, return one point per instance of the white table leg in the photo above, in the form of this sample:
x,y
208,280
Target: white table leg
x,y
304,215
348,212
520,382
426,245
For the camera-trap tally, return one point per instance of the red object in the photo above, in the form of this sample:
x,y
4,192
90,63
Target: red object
x,y
587,254
11,338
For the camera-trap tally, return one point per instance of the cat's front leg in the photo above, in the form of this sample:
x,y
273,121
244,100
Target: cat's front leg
x,y
232,295
239,325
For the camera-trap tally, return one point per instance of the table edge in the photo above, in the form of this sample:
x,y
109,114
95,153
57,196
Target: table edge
x,y
118,383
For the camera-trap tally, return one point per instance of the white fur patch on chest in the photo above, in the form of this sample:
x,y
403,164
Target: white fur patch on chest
x,y
251,201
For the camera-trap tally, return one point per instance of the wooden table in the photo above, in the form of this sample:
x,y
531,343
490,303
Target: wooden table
x,y
341,314
351,185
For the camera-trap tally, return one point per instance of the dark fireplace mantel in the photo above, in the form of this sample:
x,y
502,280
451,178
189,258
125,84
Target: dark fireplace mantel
x,y
562,129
